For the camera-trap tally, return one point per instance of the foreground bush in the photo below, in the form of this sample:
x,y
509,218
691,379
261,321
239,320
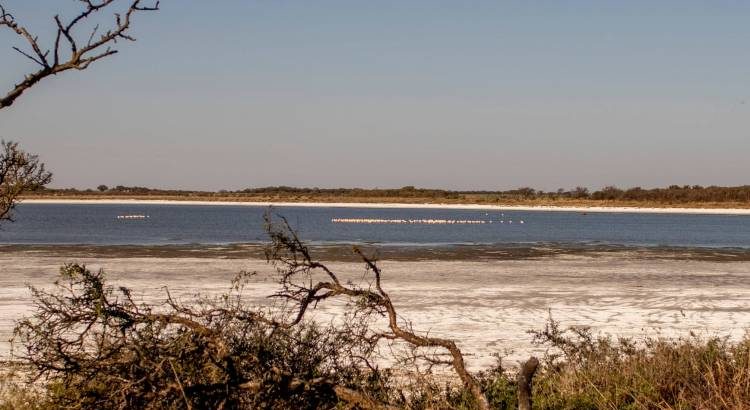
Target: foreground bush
x,y
92,346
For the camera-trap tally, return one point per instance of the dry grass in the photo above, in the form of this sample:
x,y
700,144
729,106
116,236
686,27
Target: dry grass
x,y
600,373
582,371
15,393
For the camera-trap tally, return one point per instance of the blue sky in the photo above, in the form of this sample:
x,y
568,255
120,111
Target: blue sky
x,y
464,95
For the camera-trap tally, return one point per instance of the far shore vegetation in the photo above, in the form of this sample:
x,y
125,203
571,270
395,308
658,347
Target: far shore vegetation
x,y
692,196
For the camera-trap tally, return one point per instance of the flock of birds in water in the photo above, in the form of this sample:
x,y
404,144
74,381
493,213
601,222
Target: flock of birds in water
x,y
384,221
420,221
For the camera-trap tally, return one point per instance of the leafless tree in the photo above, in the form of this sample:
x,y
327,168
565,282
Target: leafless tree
x,y
305,282
70,52
19,172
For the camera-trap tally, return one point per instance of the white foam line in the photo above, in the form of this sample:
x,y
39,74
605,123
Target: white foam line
x,y
619,209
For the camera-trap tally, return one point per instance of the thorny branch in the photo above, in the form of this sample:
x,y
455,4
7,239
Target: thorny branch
x,y
80,53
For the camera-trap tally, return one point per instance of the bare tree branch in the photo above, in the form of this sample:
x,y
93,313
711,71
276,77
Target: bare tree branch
x,y
297,268
80,55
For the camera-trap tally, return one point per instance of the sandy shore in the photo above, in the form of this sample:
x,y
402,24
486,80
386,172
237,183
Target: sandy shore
x,y
709,211
487,306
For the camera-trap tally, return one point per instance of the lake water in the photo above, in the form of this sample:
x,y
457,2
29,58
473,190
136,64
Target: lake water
x,y
206,224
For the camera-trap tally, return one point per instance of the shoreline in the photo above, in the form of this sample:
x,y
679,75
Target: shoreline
x,y
394,253
382,205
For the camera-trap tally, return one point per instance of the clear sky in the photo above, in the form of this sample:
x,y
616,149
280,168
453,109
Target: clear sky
x,y
464,95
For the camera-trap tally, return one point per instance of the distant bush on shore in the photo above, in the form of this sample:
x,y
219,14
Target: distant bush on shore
x,y
666,196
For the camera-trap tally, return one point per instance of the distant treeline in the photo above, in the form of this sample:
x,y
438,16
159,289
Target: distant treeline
x,y
670,195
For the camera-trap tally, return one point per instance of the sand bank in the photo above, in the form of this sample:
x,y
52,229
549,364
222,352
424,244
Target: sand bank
x,y
706,211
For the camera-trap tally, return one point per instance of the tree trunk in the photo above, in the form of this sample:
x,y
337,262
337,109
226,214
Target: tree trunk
x,y
524,383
